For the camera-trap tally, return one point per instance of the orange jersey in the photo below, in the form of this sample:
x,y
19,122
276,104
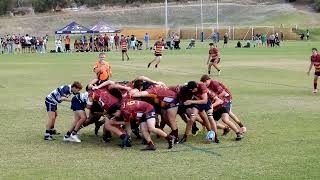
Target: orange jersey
x,y
104,70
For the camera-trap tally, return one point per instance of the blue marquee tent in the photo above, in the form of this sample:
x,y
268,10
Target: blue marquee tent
x,y
103,27
74,28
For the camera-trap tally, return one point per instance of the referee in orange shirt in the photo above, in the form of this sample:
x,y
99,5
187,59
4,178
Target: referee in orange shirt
x,y
102,70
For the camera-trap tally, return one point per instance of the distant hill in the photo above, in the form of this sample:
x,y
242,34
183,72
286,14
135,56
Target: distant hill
x,y
231,13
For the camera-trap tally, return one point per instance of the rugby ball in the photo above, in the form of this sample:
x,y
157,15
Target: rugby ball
x,y
210,136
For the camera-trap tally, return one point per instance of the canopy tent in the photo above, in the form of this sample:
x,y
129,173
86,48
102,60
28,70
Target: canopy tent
x,y
74,28
103,27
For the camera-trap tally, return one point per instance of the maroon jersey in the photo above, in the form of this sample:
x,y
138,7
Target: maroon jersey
x,y
217,88
124,45
214,52
202,89
116,39
162,96
135,110
315,59
104,97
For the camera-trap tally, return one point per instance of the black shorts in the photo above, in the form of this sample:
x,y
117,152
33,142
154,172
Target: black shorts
x,y
218,113
317,73
77,105
124,50
213,60
157,55
67,46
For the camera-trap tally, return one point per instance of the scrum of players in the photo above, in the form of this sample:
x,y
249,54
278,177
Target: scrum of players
x,y
127,108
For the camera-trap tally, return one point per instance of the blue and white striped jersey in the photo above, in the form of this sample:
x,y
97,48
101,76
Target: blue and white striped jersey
x,y
55,96
82,97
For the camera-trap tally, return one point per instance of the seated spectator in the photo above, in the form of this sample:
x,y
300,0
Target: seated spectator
x,y
239,45
248,45
76,46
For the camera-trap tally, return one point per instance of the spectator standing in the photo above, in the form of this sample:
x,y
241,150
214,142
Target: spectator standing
x,y
67,44
308,34
146,40
264,40
58,45
17,44
116,41
133,42
10,44
272,39
225,40
111,39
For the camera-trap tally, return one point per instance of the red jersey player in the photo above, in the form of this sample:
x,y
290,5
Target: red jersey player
x,y
315,61
141,112
223,93
166,100
213,58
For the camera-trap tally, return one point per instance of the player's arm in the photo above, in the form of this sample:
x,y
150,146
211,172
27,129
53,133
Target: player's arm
x,y
89,102
106,83
65,99
310,67
144,78
141,94
118,86
217,102
203,100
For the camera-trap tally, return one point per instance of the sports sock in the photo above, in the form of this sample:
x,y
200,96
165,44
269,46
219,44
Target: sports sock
x,y
68,133
315,85
149,65
74,132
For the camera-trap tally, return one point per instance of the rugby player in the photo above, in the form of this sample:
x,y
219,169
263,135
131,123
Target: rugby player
x,y
213,58
52,100
315,61
158,47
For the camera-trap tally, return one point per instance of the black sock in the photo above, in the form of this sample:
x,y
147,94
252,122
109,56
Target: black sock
x,y
74,132
315,85
208,72
122,136
48,132
68,133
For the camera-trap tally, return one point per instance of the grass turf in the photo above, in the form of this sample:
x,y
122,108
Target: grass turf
x,y
272,96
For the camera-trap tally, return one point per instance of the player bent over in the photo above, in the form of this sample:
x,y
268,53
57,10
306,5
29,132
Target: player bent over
x,y
139,111
224,94
213,58
315,61
78,105
200,104
52,100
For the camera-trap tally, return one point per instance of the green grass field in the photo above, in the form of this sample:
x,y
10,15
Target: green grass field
x,y
272,96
